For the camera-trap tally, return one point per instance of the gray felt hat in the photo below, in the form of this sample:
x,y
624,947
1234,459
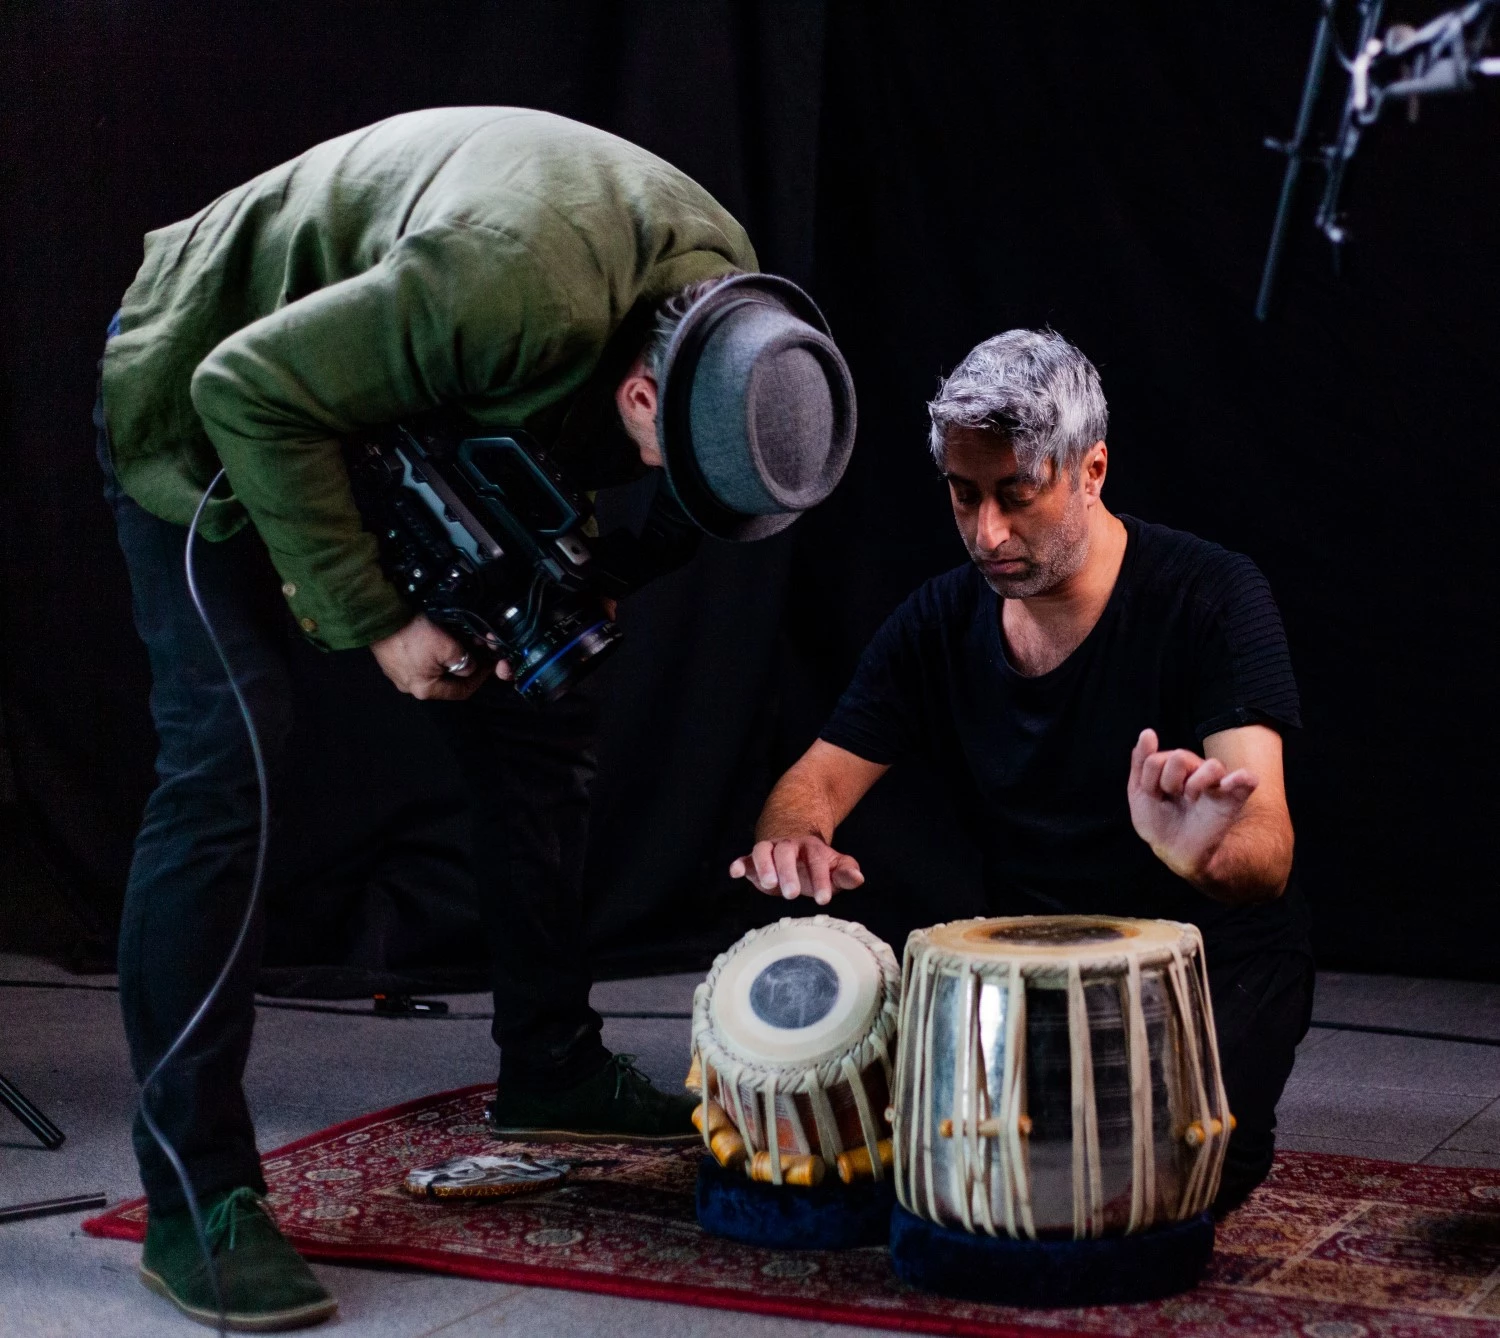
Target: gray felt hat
x,y
756,408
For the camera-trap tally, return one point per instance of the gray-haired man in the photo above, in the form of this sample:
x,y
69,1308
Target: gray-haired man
x,y
1107,696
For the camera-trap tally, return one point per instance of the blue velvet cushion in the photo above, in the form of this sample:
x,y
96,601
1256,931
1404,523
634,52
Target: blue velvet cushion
x,y
833,1216
1108,1271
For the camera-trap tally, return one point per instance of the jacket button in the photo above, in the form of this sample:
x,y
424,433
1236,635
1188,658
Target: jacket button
x,y
289,589
309,624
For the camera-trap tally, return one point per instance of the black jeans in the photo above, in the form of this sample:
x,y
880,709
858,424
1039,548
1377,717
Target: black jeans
x,y
1262,1007
527,770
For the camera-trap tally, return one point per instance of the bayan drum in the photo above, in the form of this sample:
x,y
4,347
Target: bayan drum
x,y
1058,1076
793,1035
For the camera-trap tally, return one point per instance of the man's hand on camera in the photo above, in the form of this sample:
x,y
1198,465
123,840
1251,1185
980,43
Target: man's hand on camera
x,y
794,866
424,661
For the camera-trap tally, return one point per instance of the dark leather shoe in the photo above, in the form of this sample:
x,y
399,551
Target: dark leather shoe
x,y
618,1104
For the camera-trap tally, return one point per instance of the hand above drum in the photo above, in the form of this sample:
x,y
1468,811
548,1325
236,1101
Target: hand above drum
x,y
798,866
1183,805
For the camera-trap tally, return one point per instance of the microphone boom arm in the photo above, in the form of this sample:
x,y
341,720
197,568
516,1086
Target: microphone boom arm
x,y
1443,56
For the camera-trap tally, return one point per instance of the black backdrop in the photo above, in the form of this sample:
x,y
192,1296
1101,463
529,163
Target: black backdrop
x,y
934,174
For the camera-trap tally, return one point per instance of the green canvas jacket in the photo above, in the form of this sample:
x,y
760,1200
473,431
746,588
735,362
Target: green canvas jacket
x,y
476,258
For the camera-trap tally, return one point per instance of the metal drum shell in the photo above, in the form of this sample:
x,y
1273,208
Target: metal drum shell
x,y
1023,1179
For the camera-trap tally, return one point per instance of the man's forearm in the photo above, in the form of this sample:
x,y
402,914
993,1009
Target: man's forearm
x,y
1251,864
798,806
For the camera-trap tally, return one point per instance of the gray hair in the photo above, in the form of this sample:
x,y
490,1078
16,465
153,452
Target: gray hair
x,y
669,316
1030,387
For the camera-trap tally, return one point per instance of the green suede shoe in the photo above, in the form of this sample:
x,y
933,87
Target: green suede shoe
x,y
617,1105
266,1285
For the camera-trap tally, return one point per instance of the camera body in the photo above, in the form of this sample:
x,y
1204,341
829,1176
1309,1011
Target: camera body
x,y
483,536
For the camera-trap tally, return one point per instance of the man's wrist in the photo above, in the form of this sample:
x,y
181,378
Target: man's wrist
x,y
1220,877
790,832
1195,872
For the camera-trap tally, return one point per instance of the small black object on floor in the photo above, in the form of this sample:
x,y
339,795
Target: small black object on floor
x,y
830,1216
1112,1270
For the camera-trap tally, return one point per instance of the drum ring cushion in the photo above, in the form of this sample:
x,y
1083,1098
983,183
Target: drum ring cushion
x,y
831,1216
1111,1270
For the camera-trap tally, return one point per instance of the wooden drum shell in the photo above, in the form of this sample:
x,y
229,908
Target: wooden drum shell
x,y
815,1092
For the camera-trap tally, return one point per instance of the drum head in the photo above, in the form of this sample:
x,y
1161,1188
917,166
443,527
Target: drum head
x,y
797,993
1063,938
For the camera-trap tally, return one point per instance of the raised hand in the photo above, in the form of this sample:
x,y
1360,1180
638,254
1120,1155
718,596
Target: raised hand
x,y
796,866
1183,805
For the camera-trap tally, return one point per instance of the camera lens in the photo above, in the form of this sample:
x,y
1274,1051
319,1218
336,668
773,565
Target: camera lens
x,y
565,652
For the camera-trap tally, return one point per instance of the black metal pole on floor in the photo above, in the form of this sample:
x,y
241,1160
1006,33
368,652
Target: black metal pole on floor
x,y
10,1097
74,1203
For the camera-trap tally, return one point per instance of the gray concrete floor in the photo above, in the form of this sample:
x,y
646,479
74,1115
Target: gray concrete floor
x,y
1399,1098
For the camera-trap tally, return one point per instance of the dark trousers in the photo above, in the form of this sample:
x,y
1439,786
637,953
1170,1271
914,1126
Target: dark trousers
x,y
1262,1007
527,770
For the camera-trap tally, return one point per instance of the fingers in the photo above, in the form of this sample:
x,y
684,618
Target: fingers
x,y
765,866
1179,773
1144,747
1179,765
788,876
818,860
1207,775
1151,769
846,874
446,688
1166,774
1239,784
798,867
441,647
503,671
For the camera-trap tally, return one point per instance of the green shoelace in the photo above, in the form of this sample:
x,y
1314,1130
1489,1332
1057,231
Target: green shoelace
x,y
222,1222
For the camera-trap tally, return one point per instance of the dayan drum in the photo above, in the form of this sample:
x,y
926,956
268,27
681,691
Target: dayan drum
x,y
793,1040
1057,1075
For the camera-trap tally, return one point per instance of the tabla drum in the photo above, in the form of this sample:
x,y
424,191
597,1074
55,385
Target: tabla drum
x,y
793,1045
1057,1076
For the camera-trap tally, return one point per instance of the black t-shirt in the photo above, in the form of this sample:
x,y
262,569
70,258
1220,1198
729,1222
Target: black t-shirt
x,y
1190,643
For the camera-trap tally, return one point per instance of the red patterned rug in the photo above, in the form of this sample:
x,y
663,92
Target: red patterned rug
x,y
1328,1247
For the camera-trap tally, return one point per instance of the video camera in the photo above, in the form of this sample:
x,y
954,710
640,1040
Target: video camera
x,y
482,535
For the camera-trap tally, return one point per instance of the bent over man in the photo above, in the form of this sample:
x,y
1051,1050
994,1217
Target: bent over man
x,y
509,269
1107,698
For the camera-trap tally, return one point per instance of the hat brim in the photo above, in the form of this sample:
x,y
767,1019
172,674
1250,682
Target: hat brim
x,y
675,383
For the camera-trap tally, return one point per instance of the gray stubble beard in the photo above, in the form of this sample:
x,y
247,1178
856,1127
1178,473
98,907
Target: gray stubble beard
x,y
1062,555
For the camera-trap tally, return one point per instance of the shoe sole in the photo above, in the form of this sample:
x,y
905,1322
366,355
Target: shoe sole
x,y
579,1136
294,1317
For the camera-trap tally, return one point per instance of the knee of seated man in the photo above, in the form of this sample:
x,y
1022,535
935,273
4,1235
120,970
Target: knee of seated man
x,y
1261,1008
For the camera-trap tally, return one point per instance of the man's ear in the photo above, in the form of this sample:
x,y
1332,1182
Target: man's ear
x,y
1095,467
635,396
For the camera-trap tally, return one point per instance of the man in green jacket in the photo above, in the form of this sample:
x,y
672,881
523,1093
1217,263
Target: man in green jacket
x,y
512,269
